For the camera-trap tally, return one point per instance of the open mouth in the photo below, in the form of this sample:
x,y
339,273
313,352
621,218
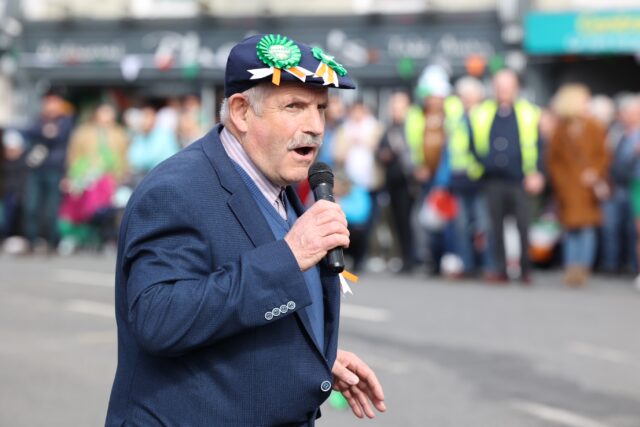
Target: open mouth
x,y
303,151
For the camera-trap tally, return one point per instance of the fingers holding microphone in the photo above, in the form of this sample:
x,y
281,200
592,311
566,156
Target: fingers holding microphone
x,y
320,229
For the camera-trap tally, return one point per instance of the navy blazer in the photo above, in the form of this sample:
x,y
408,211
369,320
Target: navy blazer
x,y
198,271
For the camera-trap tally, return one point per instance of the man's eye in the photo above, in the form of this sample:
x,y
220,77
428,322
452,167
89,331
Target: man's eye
x,y
292,106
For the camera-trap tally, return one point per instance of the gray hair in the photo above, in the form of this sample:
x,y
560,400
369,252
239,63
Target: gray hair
x,y
627,101
255,97
468,84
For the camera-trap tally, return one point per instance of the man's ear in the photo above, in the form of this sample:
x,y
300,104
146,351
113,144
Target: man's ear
x,y
238,110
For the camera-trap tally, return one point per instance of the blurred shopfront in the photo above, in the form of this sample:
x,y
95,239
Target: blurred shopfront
x,y
598,48
163,58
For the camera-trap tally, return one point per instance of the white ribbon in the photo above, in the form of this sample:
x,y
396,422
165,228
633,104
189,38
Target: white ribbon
x,y
260,73
344,285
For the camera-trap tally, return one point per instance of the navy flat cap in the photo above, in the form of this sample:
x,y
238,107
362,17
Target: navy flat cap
x,y
276,58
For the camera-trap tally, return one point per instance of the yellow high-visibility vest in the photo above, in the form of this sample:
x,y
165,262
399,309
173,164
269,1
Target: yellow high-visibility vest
x,y
414,130
528,117
460,157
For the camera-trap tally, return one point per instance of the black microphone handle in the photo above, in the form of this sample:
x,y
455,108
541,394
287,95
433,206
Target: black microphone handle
x,y
334,257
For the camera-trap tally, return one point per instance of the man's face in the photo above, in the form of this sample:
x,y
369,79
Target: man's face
x,y
284,139
148,119
506,87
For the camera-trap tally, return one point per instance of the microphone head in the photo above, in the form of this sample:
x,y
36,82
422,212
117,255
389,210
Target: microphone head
x,y
320,173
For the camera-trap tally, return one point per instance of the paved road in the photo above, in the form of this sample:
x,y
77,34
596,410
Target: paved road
x,y
449,354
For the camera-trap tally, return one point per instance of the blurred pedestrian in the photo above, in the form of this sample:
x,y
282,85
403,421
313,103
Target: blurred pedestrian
x,y
472,220
618,228
48,140
356,204
150,146
506,143
14,170
334,117
356,142
97,164
630,155
577,162
394,154
426,135
191,121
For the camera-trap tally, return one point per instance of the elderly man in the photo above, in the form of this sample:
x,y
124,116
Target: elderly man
x,y
226,315
505,141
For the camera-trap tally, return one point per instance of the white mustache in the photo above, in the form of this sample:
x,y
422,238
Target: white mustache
x,y
304,140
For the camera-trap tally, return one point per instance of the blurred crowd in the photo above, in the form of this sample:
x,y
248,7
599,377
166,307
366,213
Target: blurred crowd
x,y
468,180
65,180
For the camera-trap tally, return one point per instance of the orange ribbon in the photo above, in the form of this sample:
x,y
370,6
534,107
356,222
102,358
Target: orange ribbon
x,y
350,276
276,76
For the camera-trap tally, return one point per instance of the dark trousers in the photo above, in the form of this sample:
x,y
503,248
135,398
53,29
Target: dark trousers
x,y
508,198
401,205
359,237
41,204
11,207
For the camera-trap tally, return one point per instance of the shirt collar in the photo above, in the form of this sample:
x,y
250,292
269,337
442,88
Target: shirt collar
x,y
236,152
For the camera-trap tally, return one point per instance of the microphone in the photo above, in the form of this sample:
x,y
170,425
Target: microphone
x,y
321,183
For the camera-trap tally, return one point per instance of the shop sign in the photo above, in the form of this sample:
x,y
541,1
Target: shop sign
x,y
596,32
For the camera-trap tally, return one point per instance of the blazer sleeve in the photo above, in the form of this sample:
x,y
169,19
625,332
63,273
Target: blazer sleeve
x,y
175,303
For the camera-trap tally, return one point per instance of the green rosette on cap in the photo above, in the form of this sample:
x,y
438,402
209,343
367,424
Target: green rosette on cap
x,y
330,60
278,51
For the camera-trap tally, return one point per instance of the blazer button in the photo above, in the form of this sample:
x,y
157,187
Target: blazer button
x,y
325,386
283,309
275,312
291,305
268,315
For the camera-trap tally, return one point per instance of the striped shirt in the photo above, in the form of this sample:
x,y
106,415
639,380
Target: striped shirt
x,y
273,193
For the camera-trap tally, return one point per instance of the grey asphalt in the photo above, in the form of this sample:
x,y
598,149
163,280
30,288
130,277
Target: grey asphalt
x,y
448,353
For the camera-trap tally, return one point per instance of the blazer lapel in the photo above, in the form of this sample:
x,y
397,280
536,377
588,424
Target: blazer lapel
x,y
240,201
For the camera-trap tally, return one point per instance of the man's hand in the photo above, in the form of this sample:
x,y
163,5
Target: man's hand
x,y
319,229
358,384
534,183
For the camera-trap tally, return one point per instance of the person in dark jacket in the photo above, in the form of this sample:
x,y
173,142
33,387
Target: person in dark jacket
x,y
13,171
506,143
226,314
48,139
394,154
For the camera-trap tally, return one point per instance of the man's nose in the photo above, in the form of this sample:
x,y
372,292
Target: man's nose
x,y
314,123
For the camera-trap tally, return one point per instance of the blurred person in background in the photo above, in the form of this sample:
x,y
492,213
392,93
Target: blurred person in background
x,y
426,135
506,142
603,109
48,140
356,142
97,164
630,158
14,171
334,116
168,115
472,220
618,228
150,146
394,154
577,161
356,205
191,121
